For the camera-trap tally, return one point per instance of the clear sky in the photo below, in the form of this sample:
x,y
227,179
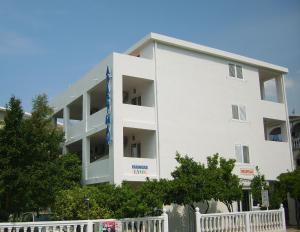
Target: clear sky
x,y
45,46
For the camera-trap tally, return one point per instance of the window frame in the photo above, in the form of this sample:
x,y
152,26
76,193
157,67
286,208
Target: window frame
x,y
239,106
241,147
236,66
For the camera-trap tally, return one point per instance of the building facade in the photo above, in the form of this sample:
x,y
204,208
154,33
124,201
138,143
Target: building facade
x,y
170,95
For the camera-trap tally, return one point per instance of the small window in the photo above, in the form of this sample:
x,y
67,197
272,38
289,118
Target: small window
x,y
232,70
235,112
235,71
239,112
136,101
136,150
239,72
242,153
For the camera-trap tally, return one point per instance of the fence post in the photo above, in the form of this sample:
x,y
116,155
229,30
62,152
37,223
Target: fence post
x,y
198,216
283,216
90,226
248,228
166,221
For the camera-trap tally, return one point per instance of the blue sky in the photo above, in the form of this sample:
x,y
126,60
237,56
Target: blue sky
x,y
47,45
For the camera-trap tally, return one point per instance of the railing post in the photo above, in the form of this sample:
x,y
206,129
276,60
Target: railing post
x,y
90,226
166,220
283,216
248,228
198,216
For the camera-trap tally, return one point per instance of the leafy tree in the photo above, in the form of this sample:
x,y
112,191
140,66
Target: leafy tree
x,y
189,184
224,186
32,168
12,143
152,196
258,183
71,204
290,183
193,182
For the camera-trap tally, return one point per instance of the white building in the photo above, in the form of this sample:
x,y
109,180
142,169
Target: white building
x,y
170,95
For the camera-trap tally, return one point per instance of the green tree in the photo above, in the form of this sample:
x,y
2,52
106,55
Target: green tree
x,y
72,204
193,182
189,184
258,183
152,196
12,143
32,168
223,185
290,183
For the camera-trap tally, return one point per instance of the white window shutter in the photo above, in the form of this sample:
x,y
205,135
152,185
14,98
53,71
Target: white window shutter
x,y
235,112
238,153
242,110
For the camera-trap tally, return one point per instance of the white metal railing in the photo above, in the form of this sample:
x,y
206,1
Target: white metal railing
x,y
296,143
252,221
146,224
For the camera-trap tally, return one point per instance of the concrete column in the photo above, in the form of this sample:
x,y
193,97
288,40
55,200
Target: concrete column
x,y
262,89
85,157
66,125
86,106
279,89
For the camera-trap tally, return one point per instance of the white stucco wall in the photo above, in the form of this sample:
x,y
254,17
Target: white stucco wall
x,y
194,97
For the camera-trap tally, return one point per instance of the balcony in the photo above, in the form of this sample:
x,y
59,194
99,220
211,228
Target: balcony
x,y
296,143
275,130
138,116
271,87
96,120
75,129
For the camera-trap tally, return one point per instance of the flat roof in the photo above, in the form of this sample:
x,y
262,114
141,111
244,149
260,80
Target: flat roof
x,y
203,49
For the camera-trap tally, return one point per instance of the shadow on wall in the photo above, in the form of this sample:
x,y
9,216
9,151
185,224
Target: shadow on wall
x,y
182,218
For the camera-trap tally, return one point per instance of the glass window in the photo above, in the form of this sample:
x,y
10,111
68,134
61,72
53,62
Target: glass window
x,y
242,153
239,72
232,70
238,153
246,158
242,114
235,112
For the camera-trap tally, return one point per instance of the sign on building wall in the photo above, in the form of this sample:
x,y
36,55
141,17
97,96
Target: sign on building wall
x,y
247,171
108,118
140,169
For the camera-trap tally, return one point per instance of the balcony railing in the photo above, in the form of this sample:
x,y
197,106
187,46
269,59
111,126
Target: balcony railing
x,y
296,143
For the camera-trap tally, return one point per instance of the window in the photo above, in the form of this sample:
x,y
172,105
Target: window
x,y
239,112
136,150
136,101
235,71
242,153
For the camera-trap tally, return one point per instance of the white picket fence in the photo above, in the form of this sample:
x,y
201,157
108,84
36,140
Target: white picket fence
x,y
146,224
250,221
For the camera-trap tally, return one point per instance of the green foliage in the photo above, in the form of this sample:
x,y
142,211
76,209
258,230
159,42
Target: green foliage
x,y
224,186
71,204
11,145
193,182
257,184
290,183
32,170
109,201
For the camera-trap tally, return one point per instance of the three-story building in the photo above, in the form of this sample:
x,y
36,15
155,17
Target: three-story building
x,y
170,95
